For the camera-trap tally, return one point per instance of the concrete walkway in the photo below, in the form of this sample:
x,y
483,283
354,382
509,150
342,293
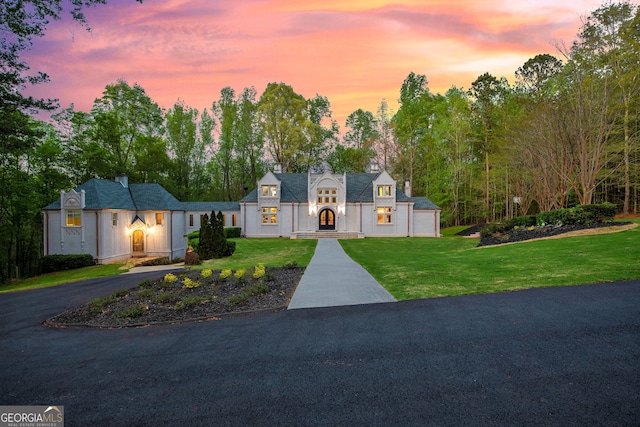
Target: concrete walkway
x,y
334,279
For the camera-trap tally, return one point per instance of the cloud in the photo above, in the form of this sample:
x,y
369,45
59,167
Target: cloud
x,y
353,52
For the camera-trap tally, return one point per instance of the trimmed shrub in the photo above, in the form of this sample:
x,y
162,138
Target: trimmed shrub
x,y
51,263
581,214
231,248
193,239
232,232
602,212
192,258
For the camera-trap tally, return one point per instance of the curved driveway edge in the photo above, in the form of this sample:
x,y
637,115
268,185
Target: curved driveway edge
x,y
334,279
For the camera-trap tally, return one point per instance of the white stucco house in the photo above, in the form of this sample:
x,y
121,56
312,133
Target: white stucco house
x,y
114,220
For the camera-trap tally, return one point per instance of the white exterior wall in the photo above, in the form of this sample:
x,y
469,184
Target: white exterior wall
x,y
114,243
196,220
427,223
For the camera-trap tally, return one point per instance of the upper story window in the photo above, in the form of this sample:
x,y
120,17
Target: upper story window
x,y
74,218
327,196
384,190
269,191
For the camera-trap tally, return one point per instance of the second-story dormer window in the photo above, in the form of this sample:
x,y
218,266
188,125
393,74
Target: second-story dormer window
x,y
269,191
384,191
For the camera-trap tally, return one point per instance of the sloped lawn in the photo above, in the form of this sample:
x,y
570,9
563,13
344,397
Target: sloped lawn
x,y
411,268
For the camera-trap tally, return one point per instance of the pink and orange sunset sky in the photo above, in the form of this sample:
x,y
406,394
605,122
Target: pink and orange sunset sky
x,y
354,52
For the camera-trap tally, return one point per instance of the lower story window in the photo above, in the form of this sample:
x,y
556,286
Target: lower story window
x,y
190,220
384,215
269,216
234,220
74,218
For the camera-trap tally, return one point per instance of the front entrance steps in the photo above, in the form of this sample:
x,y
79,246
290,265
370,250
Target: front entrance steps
x,y
327,235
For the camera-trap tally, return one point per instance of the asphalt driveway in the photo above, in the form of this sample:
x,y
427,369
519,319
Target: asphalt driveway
x,y
557,356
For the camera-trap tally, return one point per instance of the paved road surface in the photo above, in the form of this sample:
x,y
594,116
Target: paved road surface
x,y
558,356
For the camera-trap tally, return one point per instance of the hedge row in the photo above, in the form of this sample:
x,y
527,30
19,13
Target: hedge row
x,y
51,263
582,214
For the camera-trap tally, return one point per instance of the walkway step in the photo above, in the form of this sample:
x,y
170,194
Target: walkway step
x,y
334,279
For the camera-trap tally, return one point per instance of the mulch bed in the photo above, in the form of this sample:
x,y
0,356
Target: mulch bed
x,y
159,301
524,234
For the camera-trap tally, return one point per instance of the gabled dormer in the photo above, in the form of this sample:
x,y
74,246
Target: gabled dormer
x,y
384,198
269,193
384,190
269,189
327,190
72,204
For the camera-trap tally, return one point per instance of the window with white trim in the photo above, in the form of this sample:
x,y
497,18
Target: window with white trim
x,y
74,218
384,190
327,196
269,191
159,218
384,215
269,215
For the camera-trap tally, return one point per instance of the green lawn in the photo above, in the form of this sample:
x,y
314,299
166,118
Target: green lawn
x,y
249,253
270,252
61,277
412,268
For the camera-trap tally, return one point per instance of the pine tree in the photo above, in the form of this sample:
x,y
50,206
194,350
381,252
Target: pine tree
x,y
218,240
205,247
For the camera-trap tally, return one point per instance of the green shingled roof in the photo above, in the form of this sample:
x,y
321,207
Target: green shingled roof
x,y
423,203
359,189
148,197
211,206
103,194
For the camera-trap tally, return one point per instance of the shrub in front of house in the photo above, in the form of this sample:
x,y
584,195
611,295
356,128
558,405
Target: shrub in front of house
x,y
232,232
231,248
51,263
192,258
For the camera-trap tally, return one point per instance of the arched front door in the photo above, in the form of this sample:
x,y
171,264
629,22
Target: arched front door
x,y
138,242
327,220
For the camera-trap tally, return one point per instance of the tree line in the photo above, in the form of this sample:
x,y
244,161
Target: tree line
x,y
564,133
